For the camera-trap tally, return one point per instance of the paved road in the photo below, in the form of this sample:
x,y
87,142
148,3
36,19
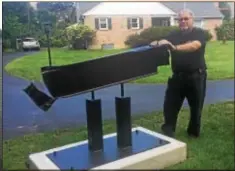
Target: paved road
x,y
1,137
8,79
1,55
21,116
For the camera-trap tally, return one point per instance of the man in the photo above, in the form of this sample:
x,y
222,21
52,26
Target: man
x,y
187,47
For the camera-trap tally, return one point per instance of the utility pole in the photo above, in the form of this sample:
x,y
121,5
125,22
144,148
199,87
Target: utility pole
x,y
184,5
77,12
29,19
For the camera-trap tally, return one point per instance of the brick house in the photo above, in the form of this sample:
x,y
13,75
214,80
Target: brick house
x,y
115,21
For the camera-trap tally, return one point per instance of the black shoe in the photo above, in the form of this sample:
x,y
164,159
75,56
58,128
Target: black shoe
x,y
192,134
167,131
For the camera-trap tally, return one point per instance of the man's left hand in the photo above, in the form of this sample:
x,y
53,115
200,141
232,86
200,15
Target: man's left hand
x,y
171,46
166,42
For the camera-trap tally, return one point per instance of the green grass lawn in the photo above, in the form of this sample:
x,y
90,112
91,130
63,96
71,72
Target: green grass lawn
x,y
1,115
220,61
213,150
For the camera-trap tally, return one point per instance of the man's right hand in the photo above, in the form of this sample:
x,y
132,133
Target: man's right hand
x,y
154,43
163,42
160,42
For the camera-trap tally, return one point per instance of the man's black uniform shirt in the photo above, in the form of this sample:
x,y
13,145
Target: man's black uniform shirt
x,y
188,61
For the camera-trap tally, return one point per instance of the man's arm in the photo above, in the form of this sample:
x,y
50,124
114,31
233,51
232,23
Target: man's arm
x,y
188,47
198,40
168,38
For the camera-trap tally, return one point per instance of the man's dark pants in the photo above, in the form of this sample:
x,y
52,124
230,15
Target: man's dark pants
x,y
180,86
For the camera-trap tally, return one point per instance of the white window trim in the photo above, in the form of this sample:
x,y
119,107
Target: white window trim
x,y
172,21
165,23
106,22
138,23
201,23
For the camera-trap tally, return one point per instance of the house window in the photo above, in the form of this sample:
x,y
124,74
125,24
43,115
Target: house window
x,y
198,23
103,23
165,23
135,23
160,21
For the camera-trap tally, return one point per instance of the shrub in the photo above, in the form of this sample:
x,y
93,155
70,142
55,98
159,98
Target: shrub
x,y
79,36
42,40
136,40
226,30
57,43
58,39
6,44
153,33
148,35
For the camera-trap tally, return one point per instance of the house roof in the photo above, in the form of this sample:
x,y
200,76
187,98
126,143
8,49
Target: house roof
x,y
200,9
130,8
84,6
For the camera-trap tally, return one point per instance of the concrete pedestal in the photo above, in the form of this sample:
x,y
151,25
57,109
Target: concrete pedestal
x,y
149,150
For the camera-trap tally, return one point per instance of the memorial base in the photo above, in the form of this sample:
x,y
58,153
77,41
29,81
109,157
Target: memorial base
x,y
149,150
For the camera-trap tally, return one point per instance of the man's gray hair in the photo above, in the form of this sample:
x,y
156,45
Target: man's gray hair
x,y
186,10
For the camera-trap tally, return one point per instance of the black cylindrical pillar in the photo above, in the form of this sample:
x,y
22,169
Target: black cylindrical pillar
x,y
94,124
123,121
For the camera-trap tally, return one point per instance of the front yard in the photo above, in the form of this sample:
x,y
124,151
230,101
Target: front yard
x,y
213,150
219,57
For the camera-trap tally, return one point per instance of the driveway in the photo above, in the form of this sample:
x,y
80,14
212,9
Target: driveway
x,y
8,57
21,116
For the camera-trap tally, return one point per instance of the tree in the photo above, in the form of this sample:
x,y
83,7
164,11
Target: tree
x,y
19,19
225,9
61,10
21,14
22,10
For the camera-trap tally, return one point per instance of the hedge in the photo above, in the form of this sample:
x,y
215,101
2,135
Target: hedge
x,y
153,33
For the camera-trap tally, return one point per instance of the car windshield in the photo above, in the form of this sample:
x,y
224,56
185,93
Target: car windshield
x,y
29,40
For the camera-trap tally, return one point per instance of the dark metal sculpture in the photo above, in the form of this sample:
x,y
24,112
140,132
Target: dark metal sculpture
x,y
74,79
78,78
42,100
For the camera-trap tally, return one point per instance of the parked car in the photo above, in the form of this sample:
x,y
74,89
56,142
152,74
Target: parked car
x,y
30,43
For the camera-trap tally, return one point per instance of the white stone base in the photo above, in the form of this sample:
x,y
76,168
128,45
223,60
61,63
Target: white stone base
x,y
157,158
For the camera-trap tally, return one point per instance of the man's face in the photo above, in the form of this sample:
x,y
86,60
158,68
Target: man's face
x,y
185,21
